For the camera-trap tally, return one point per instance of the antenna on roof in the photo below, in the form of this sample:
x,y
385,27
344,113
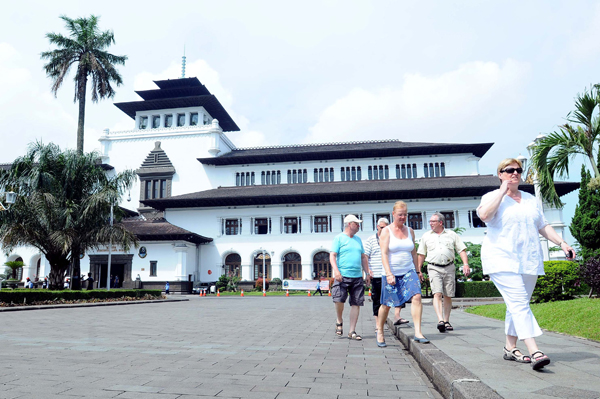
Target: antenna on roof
x,y
183,64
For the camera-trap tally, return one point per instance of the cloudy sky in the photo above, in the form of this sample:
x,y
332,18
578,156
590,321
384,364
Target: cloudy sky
x,y
321,71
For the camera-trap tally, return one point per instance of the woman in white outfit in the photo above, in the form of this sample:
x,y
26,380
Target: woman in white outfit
x,y
511,255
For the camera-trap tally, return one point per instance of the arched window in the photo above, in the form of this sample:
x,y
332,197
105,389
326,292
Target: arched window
x,y
321,265
316,175
425,170
331,174
404,171
370,173
305,176
343,174
431,174
397,171
233,264
414,170
437,169
387,172
443,169
292,266
359,173
408,172
353,173
258,266
321,174
237,179
289,176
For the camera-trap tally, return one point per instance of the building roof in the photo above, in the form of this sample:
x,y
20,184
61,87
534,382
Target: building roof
x,y
364,190
161,230
180,93
364,149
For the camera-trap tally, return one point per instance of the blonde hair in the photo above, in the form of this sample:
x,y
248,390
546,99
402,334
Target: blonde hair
x,y
508,161
399,204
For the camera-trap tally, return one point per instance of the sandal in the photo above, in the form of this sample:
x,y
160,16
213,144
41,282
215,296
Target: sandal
x,y
448,326
441,326
353,335
339,330
401,321
516,355
539,361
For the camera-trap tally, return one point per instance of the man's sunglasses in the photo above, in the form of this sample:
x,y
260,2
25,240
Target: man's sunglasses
x,y
510,171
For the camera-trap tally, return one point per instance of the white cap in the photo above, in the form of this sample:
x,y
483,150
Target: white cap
x,y
351,218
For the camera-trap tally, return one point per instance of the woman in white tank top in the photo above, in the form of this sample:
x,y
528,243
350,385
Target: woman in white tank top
x,y
401,282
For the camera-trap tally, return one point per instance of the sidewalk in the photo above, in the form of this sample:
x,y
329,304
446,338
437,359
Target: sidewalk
x,y
468,362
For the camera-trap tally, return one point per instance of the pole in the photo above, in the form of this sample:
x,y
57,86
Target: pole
x,y
109,251
264,275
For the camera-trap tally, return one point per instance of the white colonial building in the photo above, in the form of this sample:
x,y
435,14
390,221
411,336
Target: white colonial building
x,y
207,208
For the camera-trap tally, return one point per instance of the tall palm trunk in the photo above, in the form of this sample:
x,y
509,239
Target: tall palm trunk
x,y
81,121
75,267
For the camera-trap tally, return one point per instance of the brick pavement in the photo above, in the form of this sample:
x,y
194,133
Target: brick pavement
x,y
226,347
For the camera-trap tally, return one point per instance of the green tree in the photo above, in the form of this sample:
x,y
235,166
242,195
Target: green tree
x,y
85,46
13,265
63,207
579,136
585,226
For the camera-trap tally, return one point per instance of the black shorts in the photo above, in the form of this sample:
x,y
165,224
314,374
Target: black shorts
x,y
353,286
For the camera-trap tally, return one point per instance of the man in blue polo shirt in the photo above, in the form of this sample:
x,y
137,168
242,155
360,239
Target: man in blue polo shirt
x,y
348,261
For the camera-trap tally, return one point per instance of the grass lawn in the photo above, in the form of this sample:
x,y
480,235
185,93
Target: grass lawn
x,y
578,317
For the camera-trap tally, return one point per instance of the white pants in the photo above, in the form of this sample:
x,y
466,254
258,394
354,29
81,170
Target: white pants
x,y
516,289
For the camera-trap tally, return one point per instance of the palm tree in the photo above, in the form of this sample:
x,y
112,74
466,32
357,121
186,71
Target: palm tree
x,y
85,47
63,207
579,136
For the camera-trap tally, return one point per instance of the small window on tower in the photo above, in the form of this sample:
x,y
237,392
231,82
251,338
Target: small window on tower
x,y
194,119
143,122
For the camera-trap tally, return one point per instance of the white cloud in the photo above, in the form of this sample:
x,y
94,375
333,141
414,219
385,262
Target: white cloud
x,y
28,114
426,108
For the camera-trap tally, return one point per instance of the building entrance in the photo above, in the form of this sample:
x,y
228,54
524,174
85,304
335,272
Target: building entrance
x,y
117,275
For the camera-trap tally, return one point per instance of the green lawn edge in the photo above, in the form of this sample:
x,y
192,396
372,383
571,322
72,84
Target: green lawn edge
x,y
577,317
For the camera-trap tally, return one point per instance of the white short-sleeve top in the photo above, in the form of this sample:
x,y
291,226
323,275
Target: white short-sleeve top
x,y
512,242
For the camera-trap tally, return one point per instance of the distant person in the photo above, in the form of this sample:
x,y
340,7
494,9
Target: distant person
x,y
318,288
28,283
67,284
402,281
348,261
116,282
90,282
167,288
45,283
438,247
511,254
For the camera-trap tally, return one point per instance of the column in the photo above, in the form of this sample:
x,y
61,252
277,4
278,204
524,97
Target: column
x,y
463,219
276,268
305,224
219,227
181,266
137,122
307,271
336,223
162,120
247,226
188,118
275,225
247,272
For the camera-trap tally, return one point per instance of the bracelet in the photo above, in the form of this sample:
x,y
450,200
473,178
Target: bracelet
x,y
562,242
419,272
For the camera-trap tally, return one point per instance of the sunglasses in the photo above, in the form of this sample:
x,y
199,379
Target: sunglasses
x,y
510,171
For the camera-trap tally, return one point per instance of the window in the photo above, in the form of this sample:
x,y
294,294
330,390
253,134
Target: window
x,y
349,173
143,122
378,216
168,120
431,170
443,169
295,176
321,224
323,175
290,225
194,119
437,169
206,120
475,221
292,266
262,226
258,266
449,216
321,265
379,172
153,267
155,189
414,171
415,221
407,171
155,121
180,119
244,179
425,170
233,263
232,227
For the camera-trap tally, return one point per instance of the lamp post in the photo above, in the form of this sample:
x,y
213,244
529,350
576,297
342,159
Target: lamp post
x,y
109,250
263,259
11,198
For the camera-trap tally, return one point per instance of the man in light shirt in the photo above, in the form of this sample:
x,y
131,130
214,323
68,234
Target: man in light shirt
x,y
437,249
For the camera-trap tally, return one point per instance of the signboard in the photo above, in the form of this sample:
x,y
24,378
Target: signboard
x,y
304,285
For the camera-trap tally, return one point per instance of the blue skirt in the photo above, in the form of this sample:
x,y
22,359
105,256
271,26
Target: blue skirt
x,y
405,288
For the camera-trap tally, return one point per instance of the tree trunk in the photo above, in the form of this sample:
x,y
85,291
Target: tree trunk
x,y
58,270
82,82
75,268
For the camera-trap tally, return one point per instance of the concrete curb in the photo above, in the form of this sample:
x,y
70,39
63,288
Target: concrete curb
x,y
84,305
451,379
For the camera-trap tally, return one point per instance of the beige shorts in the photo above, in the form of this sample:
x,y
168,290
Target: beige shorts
x,y
442,279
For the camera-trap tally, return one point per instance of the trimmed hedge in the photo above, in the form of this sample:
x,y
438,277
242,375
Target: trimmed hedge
x,y
562,281
28,296
476,289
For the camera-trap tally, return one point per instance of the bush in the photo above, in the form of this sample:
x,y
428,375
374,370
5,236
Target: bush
x,y
222,282
562,281
27,296
590,272
259,285
476,289
277,282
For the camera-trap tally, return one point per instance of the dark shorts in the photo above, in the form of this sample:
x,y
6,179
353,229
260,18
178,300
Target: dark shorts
x,y
353,286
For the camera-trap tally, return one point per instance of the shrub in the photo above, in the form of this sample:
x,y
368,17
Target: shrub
x,y
590,272
27,296
259,285
476,289
222,282
562,281
277,282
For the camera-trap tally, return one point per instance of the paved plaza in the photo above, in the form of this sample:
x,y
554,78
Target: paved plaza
x,y
228,347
